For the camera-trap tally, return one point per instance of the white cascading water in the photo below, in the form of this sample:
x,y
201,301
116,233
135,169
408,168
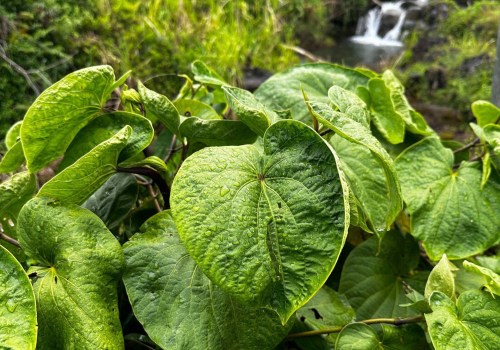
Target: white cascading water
x,y
369,25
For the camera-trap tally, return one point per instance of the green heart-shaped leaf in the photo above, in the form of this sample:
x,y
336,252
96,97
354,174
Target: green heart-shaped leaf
x,y
57,115
179,307
449,212
77,182
373,273
470,325
79,263
283,90
359,336
266,226
18,326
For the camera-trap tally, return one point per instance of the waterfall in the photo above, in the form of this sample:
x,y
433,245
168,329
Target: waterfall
x,y
368,28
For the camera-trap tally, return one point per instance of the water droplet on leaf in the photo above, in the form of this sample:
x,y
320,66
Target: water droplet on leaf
x,y
224,190
11,305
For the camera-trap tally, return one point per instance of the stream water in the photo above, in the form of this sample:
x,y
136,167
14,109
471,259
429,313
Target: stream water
x,y
378,37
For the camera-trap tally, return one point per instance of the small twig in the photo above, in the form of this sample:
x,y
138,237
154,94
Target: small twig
x,y
171,149
304,53
478,157
394,321
153,175
325,132
467,146
154,196
20,70
9,239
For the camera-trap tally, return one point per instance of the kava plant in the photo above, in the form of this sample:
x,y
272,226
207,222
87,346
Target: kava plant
x,y
319,212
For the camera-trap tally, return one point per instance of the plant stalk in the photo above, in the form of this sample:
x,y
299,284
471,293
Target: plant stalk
x,y
9,239
153,175
394,321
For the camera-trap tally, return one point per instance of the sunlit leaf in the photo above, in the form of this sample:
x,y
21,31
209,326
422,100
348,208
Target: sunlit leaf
x,y
283,90
64,108
18,326
266,226
179,307
77,182
449,211
78,265
471,324
373,274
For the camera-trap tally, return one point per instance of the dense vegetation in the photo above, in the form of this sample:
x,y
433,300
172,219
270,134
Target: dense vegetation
x,y
321,204
449,62
41,41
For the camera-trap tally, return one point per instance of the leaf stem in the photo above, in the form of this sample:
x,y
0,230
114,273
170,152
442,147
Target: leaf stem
x,y
153,175
394,321
9,239
467,146
171,149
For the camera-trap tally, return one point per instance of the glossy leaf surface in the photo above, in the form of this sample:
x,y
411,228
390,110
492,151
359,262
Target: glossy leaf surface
x,y
471,324
266,227
15,192
77,182
79,263
369,168
449,211
105,127
373,273
13,135
12,159
485,112
64,108
491,280
113,200
441,279
248,109
217,132
413,120
387,120
18,326
283,90
195,108
179,307
359,336
160,107
206,75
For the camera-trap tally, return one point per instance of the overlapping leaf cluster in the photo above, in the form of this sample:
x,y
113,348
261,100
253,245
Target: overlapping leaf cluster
x,y
224,219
